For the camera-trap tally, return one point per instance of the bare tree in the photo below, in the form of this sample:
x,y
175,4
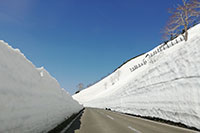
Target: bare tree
x,y
182,17
80,86
196,3
167,31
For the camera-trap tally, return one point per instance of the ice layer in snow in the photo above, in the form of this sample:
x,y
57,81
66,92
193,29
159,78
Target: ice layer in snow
x,y
163,83
31,100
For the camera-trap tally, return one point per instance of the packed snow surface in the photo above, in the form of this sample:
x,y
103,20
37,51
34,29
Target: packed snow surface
x,y
30,99
163,83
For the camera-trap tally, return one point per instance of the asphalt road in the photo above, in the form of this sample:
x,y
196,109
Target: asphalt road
x,y
103,121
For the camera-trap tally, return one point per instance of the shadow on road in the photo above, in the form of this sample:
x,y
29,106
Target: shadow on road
x,y
75,125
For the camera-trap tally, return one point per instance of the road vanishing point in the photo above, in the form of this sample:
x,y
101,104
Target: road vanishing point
x,y
103,121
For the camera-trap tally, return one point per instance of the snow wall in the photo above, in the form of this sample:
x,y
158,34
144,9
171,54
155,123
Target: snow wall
x,y
163,83
30,99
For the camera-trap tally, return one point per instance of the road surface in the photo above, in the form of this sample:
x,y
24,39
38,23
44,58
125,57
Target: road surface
x,y
103,121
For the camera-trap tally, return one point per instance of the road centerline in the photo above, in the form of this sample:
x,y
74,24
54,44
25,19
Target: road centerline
x,y
110,117
133,129
99,121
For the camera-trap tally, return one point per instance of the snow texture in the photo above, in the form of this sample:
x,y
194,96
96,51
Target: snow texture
x,y
31,101
163,83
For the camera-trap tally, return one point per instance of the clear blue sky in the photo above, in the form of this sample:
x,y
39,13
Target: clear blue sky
x,y
82,40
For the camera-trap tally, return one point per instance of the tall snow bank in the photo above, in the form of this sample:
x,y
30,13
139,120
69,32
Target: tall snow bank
x,y
163,83
30,99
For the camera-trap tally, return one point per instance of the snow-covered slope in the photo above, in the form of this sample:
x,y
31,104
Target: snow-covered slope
x,y
30,99
163,83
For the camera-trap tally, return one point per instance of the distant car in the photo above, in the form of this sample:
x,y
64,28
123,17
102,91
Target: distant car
x,y
108,109
77,92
